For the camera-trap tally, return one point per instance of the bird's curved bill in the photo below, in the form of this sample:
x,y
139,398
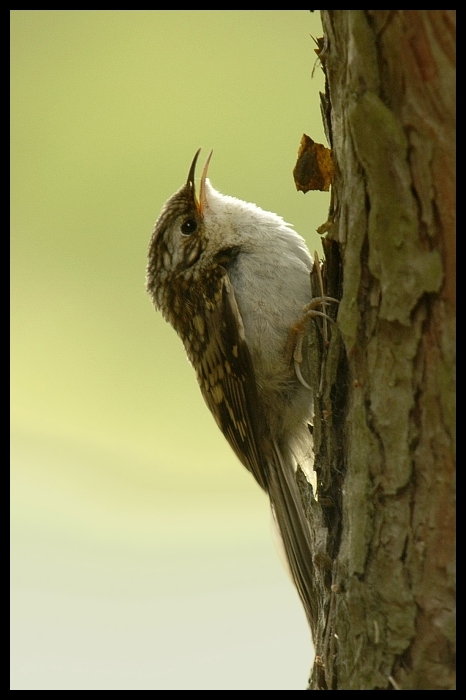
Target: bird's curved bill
x,y
201,203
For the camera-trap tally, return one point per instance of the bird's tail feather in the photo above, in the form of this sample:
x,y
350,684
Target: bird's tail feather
x,y
294,529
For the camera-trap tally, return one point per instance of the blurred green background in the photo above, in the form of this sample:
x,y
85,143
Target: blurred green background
x,y
142,552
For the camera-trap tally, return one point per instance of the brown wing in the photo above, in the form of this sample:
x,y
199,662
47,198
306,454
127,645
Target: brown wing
x,y
228,384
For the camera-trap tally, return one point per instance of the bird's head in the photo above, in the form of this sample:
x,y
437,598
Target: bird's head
x,y
197,233
178,238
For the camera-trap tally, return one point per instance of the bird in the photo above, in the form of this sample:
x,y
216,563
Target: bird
x,y
233,281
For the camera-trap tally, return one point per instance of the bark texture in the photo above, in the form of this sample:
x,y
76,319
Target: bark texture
x,y
384,426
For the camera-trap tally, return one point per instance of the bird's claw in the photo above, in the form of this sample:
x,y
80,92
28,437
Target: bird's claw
x,y
295,341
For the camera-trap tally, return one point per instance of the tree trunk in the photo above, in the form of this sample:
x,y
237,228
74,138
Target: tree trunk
x,y
384,425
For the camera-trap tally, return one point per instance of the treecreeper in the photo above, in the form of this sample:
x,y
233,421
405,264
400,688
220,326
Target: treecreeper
x,y
234,282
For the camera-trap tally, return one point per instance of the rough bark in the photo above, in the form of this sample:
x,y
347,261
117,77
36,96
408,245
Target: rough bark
x,y
384,424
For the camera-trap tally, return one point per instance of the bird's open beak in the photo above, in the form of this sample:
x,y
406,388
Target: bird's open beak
x,y
201,204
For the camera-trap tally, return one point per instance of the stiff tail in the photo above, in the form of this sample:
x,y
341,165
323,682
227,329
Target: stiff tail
x,y
294,529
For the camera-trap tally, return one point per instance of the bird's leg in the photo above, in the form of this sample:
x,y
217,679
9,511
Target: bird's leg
x,y
294,347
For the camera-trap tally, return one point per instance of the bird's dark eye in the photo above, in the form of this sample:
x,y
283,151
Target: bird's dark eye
x,y
188,227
